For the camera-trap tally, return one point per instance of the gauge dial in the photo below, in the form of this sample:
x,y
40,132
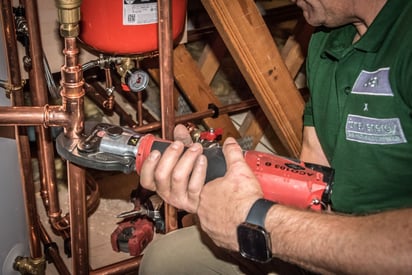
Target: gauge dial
x,y
137,80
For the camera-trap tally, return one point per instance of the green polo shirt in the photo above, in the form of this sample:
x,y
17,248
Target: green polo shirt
x,y
361,107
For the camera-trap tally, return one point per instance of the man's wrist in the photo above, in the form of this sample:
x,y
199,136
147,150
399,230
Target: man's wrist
x,y
270,221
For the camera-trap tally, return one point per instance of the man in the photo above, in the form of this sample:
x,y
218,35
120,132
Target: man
x,y
358,121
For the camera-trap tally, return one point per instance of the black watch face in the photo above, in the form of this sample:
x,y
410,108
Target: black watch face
x,y
254,242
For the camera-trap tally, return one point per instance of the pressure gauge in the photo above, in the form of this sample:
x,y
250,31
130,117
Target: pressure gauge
x,y
137,80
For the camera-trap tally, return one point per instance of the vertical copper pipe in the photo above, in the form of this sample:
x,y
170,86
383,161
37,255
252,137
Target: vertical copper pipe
x,y
21,136
38,87
140,108
78,218
109,102
73,103
166,68
72,89
166,87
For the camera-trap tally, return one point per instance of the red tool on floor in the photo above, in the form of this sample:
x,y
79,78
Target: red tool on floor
x,y
136,229
132,235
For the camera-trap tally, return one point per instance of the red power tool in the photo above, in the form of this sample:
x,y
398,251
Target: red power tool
x,y
113,148
284,180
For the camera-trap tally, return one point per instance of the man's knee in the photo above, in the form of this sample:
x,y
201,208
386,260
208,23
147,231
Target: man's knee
x,y
186,251
172,253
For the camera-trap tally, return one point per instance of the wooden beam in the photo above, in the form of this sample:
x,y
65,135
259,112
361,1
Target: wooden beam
x,y
209,61
155,75
192,83
253,126
295,49
293,53
250,43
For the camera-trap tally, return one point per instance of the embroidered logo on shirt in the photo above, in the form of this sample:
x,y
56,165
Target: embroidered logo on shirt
x,y
374,131
373,83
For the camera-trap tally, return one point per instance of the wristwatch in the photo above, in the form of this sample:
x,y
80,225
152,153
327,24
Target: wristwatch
x,y
254,241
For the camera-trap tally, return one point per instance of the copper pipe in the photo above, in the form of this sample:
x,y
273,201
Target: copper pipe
x,y
63,225
91,205
11,47
166,88
52,251
34,115
78,218
94,194
37,72
140,108
21,136
72,93
73,103
72,89
38,87
227,109
166,68
95,92
109,102
122,267
51,248
108,76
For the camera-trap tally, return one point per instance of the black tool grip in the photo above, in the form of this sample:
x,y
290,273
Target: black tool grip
x,y
216,164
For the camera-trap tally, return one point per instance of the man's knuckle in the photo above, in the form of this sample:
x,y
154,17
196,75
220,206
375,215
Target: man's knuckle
x,y
177,176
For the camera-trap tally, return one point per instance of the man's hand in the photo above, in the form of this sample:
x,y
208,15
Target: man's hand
x,y
225,202
177,178
221,204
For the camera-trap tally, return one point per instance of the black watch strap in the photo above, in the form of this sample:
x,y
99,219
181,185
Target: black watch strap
x,y
257,214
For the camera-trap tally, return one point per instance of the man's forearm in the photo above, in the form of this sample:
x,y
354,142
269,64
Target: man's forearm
x,y
379,243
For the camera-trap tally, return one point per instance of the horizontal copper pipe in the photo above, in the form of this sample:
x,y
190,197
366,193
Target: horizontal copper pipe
x,y
33,115
123,267
232,108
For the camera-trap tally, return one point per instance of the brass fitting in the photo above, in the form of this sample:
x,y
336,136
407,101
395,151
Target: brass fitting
x,y
26,265
125,65
69,17
9,88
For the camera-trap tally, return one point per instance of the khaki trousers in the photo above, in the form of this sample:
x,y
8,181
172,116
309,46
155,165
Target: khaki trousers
x,y
190,251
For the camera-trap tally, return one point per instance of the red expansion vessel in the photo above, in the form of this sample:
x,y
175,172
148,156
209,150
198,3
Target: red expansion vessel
x,y
124,27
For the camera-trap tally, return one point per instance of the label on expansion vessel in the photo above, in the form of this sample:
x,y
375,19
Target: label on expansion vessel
x,y
139,12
